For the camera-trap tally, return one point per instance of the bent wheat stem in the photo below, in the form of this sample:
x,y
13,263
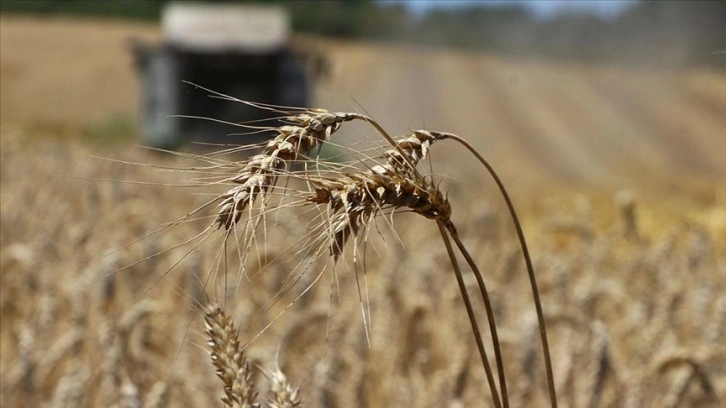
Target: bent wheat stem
x,y
527,259
354,197
470,312
489,310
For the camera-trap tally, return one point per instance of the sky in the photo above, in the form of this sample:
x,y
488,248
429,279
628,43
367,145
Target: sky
x,y
540,8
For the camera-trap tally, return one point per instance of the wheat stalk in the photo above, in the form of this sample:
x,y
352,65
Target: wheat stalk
x,y
525,253
354,198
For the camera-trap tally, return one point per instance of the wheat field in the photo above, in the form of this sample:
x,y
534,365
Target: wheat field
x,y
615,171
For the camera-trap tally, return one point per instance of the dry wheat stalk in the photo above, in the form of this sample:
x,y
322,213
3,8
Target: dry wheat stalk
x,y
354,198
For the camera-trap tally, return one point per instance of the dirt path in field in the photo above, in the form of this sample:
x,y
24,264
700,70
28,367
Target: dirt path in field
x,y
537,121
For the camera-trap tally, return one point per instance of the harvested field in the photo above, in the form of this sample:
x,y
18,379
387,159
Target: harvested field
x,y
616,170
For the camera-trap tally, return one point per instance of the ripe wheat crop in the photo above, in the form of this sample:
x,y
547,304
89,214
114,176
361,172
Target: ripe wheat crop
x,y
633,299
348,198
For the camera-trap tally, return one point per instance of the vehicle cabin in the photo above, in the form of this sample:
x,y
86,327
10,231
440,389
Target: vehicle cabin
x,y
237,50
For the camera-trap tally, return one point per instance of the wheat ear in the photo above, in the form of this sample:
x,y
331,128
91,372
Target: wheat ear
x,y
229,359
356,199
282,394
304,133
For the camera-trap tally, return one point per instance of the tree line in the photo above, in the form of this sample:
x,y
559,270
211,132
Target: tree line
x,y
673,33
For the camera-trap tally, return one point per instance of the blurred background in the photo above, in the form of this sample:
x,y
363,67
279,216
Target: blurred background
x,y
559,90
606,119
